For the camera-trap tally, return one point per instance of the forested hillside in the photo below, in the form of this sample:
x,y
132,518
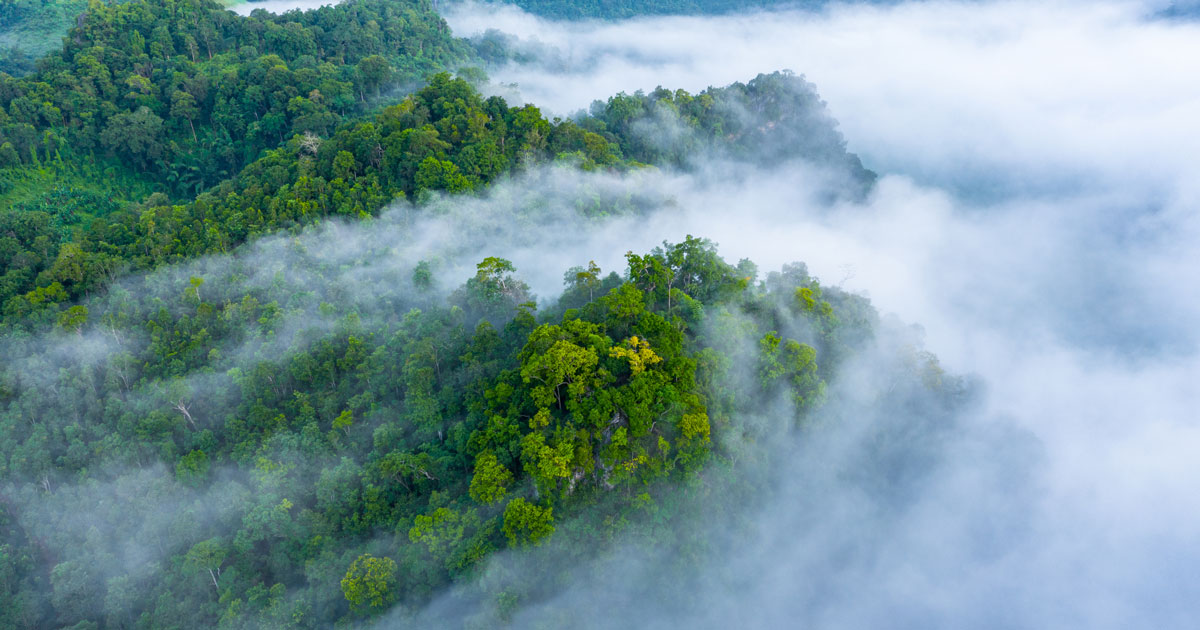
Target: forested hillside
x,y
244,388
180,97
287,449
186,93
444,137
767,121
32,28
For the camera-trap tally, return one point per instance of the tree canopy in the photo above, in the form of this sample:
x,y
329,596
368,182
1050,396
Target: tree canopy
x,y
252,442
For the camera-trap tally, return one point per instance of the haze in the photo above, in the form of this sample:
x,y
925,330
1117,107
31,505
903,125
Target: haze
x,y
1035,217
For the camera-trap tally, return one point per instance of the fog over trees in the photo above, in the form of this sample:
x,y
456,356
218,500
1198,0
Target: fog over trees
x,y
395,313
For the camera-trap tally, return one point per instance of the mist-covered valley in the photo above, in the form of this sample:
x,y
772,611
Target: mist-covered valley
x,y
903,336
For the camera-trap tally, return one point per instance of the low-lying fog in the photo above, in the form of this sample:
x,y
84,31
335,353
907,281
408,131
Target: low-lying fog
x,y
1036,214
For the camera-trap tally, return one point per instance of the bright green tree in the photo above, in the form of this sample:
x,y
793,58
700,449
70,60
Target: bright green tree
x,y
527,523
491,479
73,318
370,582
439,531
208,555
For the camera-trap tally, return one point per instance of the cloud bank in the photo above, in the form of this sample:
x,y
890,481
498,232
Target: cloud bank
x,y
1037,217
1002,91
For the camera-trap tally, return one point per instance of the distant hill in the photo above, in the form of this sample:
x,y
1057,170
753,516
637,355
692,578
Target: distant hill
x,y
32,28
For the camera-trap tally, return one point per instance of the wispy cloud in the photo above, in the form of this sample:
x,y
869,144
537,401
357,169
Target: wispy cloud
x,y
1036,216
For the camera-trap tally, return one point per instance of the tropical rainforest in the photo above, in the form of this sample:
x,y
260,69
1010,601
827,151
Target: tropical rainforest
x,y
238,392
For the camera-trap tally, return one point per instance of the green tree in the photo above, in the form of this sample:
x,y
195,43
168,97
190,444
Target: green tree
x,y
422,276
490,482
8,155
494,291
375,71
136,137
344,165
344,421
589,278
562,364
73,318
183,105
439,531
370,583
192,469
793,363
527,523
208,555
435,174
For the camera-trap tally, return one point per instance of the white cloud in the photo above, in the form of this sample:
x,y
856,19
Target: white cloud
x,y
1037,218
1089,89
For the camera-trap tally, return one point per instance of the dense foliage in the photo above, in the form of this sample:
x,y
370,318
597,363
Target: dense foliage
x,y
201,426
300,476
771,119
188,93
176,97
443,137
32,28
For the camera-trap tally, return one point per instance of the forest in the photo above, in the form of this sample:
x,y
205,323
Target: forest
x,y
237,393
32,28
